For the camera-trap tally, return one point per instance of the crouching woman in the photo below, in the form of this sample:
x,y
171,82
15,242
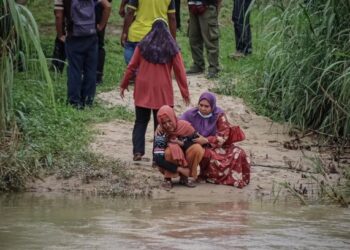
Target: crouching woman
x,y
174,152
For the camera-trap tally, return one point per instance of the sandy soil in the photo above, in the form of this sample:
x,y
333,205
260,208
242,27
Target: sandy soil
x,y
272,162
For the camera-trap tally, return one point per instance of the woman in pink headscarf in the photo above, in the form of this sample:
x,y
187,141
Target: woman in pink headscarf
x,y
223,162
184,158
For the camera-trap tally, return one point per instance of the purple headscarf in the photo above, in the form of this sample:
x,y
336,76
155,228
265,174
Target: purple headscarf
x,y
204,126
158,46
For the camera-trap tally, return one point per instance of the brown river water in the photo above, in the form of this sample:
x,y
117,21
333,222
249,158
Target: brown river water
x,y
33,221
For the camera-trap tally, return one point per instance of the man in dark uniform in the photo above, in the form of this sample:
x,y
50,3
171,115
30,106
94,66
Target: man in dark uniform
x,y
243,36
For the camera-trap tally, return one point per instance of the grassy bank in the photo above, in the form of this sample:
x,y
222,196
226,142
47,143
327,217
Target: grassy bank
x,y
51,137
54,139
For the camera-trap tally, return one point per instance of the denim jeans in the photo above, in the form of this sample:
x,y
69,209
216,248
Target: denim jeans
x,y
82,63
129,49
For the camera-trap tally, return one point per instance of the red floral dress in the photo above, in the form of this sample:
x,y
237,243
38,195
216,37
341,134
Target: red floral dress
x,y
223,162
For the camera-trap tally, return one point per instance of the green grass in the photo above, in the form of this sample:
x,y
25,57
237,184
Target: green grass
x,y
305,76
53,136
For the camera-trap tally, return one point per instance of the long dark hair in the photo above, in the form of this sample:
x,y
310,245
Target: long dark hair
x,y
158,46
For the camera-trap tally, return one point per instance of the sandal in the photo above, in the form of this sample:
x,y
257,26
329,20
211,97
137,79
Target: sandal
x,y
167,185
187,182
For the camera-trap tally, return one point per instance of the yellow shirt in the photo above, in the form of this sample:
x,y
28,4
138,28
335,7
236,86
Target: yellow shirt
x,y
147,11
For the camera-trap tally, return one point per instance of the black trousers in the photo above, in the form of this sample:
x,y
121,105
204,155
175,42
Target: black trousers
x,y
59,55
143,116
177,13
241,23
101,55
101,45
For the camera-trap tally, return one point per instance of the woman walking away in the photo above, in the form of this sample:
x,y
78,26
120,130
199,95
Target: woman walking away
x,y
223,162
154,59
176,154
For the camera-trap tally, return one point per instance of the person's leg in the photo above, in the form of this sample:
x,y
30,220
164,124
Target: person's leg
x,y
194,155
168,157
196,45
247,35
101,56
203,168
183,171
155,124
155,121
58,55
143,116
241,23
209,27
89,72
75,67
177,13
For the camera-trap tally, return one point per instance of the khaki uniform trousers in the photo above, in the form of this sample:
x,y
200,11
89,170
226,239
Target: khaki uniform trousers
x,y
203,31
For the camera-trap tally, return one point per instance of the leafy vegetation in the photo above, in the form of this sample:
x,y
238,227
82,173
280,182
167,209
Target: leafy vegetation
x,y
302,75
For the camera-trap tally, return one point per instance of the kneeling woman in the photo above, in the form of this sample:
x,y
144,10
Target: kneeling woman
x,y
178,156
223,161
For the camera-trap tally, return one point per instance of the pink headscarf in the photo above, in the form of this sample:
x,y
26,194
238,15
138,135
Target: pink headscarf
x,y
182,128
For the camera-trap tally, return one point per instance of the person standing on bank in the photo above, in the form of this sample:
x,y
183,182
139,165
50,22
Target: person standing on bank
x,y
204,31
81,45
241,23
154,58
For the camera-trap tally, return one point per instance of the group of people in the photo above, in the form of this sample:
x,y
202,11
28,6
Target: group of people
x,y
85,50
203,28
202,136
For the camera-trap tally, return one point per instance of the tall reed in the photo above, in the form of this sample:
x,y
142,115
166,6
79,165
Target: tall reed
x,y
20,49
307,70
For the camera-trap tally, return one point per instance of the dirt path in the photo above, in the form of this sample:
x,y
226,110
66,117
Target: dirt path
x,y
272,163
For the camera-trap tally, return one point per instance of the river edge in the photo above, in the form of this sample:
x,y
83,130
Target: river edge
x,y
282,162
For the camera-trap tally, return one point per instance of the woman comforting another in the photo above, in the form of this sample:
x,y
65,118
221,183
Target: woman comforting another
x,y
223,162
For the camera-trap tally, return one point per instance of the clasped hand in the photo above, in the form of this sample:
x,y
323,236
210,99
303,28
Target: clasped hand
x,y
200,140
